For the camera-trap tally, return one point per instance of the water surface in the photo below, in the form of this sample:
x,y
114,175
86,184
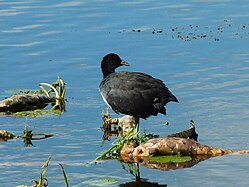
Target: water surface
x,y
199,48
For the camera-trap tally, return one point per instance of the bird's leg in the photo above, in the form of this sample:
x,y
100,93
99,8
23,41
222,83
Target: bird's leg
x,y
105,115
137,123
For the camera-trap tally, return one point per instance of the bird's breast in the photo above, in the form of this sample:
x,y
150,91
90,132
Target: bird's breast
x,y
103,97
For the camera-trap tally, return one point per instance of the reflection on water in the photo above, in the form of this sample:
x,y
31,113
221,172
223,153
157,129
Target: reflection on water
x,y
133,169
199,48
142,183
172,165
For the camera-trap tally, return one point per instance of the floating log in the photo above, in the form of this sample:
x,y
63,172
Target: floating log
x,y
31,102
134,150
172,146
24,102
176,146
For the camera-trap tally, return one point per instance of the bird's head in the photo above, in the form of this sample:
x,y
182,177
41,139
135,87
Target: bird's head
x,y
110,62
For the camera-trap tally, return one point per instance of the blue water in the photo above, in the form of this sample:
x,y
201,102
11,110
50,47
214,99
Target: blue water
x,y
199,48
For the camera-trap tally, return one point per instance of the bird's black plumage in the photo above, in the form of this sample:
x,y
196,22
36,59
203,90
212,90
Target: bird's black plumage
x,y
132,93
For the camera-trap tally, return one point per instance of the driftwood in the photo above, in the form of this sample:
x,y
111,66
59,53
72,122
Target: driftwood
x,y
190,133
183,143
24,102
172,146
5,135
176,146
30,102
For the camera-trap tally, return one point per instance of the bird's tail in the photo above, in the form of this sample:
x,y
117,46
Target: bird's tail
x,y
173,98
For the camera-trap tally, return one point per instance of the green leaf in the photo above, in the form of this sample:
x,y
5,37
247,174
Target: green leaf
x,y
101,182
171,158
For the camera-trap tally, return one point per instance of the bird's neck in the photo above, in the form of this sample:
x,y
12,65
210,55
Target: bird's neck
x,y
106,73
106,70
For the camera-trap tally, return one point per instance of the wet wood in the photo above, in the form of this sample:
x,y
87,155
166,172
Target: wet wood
x,y
5,135
189,133
24,102
176,146
172,146
183,143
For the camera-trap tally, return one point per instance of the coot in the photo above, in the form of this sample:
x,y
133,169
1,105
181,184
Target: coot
x,y
132,93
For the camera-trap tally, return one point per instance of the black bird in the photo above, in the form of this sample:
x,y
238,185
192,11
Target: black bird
x,y
132,93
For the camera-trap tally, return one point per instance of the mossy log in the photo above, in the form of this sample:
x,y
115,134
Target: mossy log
x,y
176,146
183,143
24,102
172,146
30,102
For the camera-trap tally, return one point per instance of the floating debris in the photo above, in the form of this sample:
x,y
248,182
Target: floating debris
x,y
136,30
190,133
132,147
193,32
24,102
28,136
33,102
157,31
5,135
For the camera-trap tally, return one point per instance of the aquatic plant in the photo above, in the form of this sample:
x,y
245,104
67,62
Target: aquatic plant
x,y
42,181
27,136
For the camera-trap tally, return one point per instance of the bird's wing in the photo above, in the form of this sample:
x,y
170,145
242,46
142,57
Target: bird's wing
x,y
133,93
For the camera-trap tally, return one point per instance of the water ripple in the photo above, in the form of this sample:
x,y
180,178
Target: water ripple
x,y
33,26
69,4
22,44
4,13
